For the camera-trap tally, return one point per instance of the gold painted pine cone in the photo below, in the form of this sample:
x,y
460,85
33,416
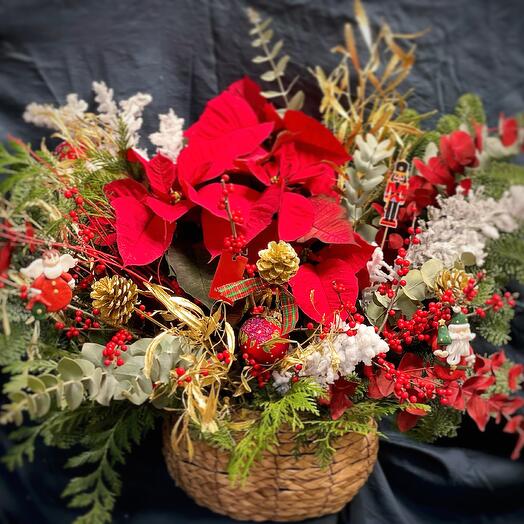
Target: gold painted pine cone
x,y
278,263
454,279
115,297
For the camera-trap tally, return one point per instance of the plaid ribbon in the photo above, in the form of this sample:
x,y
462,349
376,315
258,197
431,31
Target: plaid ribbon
x,y
243,288
289,312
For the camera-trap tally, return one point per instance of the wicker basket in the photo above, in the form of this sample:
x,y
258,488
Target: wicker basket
x,y
281,487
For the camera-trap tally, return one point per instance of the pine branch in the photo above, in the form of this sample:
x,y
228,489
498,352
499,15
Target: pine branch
x,y
505,258
495,327
497,177
470,109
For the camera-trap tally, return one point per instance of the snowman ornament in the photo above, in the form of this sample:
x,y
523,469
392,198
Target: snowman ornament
x,y
461,336
52,286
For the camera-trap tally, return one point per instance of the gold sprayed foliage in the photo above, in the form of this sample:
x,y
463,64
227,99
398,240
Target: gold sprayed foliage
x,y
278,263
115,297
361,95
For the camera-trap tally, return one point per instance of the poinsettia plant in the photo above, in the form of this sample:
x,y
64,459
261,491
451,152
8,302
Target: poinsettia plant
x,y
259,255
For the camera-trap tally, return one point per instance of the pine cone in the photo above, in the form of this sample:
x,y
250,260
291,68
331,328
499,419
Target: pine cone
x,y
115,297
454,279
278,263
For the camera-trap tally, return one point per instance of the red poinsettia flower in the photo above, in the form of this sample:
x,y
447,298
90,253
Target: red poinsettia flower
x,y
508,130
338,397
477,406
313,287
250,92
146,220
230,129
458,151
257,210
421,193
516,425
436,172
515,376
380,387
303,159
289,170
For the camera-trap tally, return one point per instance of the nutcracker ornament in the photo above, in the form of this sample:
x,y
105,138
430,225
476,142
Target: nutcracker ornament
x,y
52,287
395,193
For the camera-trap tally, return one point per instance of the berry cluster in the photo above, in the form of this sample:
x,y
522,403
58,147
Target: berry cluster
x,y
235,243
183,377
296,371
114,348
410,387
257,370
224,356
413,239
496,302
257,310
421,327
72,193
251,270
80,324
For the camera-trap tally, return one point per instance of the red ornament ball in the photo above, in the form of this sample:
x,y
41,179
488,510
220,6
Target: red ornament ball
x,y
254,338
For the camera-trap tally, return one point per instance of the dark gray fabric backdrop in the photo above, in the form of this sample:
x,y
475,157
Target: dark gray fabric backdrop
x,y
185,51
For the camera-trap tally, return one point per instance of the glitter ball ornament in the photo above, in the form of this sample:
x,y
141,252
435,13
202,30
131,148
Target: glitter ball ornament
x,y
278,263
115,297
255,337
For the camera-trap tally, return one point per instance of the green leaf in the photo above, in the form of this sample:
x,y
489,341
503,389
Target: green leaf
x,y
375,313
271,94
74,394
193,272
430,269
468,259
281,65
405,304
69,369
35,384
43,404
261,26
268,76
297,101
259,59
415,287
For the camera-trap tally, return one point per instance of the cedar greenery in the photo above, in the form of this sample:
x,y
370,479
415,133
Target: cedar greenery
x,y
289,410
